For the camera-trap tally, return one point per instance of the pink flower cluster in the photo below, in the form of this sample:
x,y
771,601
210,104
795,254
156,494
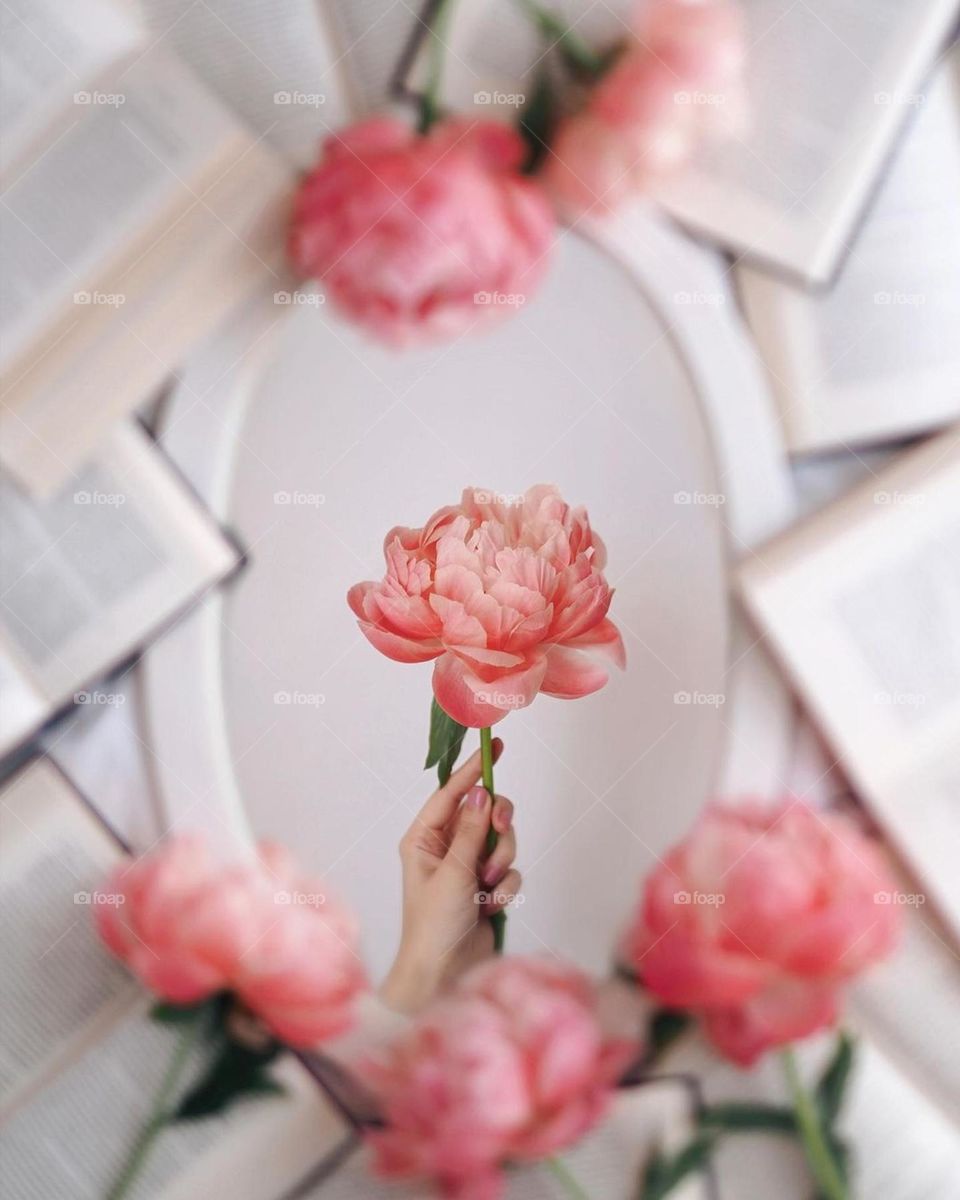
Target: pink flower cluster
x,y
511,1066
506,594
422,237
190,926
678,79
757,920
419,237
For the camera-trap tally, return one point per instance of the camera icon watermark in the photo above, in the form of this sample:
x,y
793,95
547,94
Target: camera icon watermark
x,y
100,899
906,899
700,899
704,699
503,899
501,99
100,299
500,299
300,699
100,699
300,99
300,299
100,499
304,899
299,499
100,99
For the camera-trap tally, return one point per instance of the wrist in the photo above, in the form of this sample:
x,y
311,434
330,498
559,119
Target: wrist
x,y
410,983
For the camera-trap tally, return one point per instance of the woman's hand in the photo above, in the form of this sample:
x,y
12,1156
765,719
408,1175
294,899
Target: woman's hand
x,y
449,887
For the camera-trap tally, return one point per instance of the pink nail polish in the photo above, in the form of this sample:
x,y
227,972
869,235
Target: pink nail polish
x,y
491,876
477,797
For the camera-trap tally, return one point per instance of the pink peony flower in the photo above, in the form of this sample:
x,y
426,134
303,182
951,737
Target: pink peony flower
x,y
506,597
676,80
419,237
510,1066
189,926
758,918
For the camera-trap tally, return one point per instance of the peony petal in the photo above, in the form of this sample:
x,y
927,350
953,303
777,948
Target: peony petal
x,y
457,699
570,674
400,649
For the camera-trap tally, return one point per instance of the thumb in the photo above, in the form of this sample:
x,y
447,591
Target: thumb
x,y
470,835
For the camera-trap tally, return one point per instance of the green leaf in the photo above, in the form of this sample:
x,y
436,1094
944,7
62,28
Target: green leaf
x,y
180,1014
663,1172
833,1081
537,121
446,738
236,1071
749,1118
666,1025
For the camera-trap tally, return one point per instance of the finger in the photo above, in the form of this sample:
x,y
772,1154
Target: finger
x,y
500,861
439,810
503,893
502,814
470,833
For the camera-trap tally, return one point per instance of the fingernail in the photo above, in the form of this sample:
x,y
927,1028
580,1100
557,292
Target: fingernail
x,y
492,875
477,797
502,820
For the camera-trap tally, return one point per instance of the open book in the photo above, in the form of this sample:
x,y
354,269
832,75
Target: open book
x,y
830,83
80,1058
90,573
860,603
878,356
137,211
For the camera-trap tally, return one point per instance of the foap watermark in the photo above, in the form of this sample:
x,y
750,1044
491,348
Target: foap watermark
x,y
898,99
300,99
703,899
503,899
300,699
703,99
304,899
97,499
508,498
506,99
100,99
897,499
500,299
900,699
300,299
100,299
900,299
710,299
100,699
299,499
502,699
906,899
704,699
100,899
700,499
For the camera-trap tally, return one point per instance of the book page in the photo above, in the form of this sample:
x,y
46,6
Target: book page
x,y
275,65
106,562
829,83
59,986
169,294
877,356
117,170
49,55
860,604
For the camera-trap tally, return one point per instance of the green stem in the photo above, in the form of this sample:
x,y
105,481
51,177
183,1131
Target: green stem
x,y
566,1177
430,100
499,919
821,1161
574,49
160,1110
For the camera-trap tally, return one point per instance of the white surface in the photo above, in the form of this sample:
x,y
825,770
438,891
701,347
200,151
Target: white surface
x,y
616,392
